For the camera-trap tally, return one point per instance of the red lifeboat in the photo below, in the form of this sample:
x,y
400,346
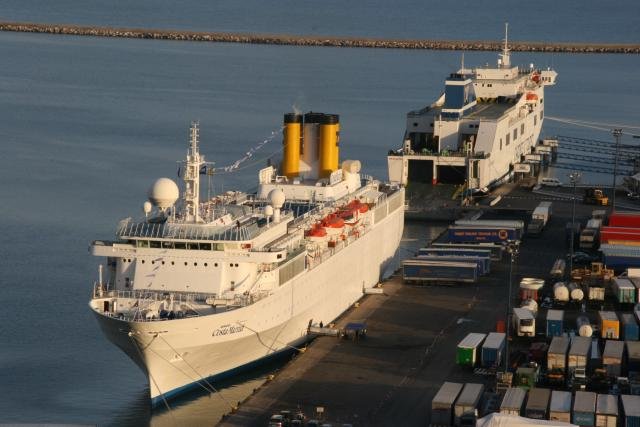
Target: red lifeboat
x,y
316,231
332,221
532,96
535,77
358,205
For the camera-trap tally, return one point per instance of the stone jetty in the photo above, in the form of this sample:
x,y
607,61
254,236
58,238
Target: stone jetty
x,y
293,40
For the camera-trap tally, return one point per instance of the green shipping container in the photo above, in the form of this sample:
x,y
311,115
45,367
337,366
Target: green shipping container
x,y
469,349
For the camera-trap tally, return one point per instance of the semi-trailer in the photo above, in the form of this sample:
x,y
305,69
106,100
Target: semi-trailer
x,y
469,349
630,410
629,327
612,357
579,355
539,218
442,404
468,402
513,401
609,325
484,264
560,407
469,234
623,290
624,219
555,323
422,271
557,359
492,349
495,223
607,410
633,356
496,251
524,322
584,408
538,403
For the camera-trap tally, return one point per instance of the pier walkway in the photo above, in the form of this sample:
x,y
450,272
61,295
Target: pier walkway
x,y
301,40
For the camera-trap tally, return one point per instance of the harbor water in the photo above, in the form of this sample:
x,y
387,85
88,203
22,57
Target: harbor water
x,y
88,124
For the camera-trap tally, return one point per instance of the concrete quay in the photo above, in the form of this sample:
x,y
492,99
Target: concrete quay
x,y
297,40
390,377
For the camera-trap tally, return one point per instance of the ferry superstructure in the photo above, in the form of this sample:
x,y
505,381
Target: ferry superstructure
x,y
484,124
200,289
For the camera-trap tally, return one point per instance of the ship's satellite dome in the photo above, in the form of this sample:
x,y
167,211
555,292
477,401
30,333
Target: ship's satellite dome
x,y
268,210
146,207
164,193
276,197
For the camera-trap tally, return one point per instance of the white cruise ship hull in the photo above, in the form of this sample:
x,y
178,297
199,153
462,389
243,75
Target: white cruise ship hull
x,y
178,354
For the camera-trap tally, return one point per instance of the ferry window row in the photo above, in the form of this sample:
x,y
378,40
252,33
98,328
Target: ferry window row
x,y
195,264
156,244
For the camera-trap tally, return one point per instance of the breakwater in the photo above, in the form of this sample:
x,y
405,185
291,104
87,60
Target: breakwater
x,y
293,40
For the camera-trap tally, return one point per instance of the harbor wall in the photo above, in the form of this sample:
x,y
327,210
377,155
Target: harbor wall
x,y
293,40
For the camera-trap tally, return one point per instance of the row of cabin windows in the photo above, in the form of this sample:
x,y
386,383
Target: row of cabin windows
x,y
183,245
195,264
515,135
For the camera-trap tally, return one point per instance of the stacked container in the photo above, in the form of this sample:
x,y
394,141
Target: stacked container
x,y
555,320
630,410
609,325
584,409
557,355
579,354
607,411
612,357
560,408
624,290
492,349
442,404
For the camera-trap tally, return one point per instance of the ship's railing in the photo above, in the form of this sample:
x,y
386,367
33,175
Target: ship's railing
x,y
141,294
128,228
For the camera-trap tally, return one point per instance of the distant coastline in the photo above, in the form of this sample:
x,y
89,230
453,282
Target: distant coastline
x,y
293,40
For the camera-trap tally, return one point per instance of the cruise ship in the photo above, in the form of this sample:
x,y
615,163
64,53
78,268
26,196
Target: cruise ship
x,y
481,130
200,289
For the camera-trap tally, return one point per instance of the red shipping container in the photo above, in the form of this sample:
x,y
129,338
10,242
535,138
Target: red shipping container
x,y
624,219
606,236
526,294
621,229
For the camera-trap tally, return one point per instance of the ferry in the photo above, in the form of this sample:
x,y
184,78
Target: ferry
x,y
197,290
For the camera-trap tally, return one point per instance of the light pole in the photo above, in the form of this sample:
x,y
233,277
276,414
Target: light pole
x,y
512,248
617,133
574,177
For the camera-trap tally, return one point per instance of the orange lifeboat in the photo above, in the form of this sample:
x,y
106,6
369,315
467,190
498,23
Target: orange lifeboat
x,y
535,77
332,221
532,96
358,205
316,231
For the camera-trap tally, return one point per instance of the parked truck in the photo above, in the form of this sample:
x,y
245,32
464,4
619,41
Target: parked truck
x,y
579,356
424,271
539,218
513,401
629,326
609,325
612,357
624,290
595,196
538,403
633,356
607,410
557,359
584,408
560,407
469,349
630,410
492,349
590,235
555,323
482,262
468,402
496,251
524,323
462,234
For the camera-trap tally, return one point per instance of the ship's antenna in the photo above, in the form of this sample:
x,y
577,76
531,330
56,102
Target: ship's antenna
x,y
462,64
505,55
192,176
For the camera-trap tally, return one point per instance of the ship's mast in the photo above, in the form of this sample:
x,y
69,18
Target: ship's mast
x,y
192,176
505,56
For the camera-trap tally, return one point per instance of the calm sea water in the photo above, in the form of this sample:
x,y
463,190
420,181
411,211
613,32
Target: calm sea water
x,y
86,125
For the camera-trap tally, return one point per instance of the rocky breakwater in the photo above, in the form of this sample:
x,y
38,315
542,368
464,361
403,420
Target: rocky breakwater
x,y
273,39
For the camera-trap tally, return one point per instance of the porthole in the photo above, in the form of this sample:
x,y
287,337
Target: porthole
x,y
236,265
173,263
230,265
215,265
205,264
162,262
185,263
153,262
143,261
195,264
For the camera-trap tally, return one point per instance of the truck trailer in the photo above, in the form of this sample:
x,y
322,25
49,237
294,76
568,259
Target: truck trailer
x,y
469,349
524,323
423,271
442,404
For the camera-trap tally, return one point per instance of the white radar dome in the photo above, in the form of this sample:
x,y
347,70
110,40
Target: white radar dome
x,y
268,210
146,207
164,193
276,197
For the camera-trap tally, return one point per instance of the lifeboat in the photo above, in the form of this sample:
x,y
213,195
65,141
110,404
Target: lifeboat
x,y
358,205
535,77
332,224
316,231
532,97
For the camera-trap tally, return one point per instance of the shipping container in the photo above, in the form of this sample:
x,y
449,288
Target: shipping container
x,y
459,234
468,401
596,293
584,408
612,357
557,354
513,401
492,349
595,357
524,323
496,251
495,223
623,290
609,325
633,356
530,287
555,323
636,284
629,327
468,349
624,219
442,404
538,403
583,325
630,410
607,410
421,271
579,354
560,407
483,264
620,261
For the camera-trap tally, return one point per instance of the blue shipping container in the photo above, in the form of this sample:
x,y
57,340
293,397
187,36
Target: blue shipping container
x,y
492,349
620,262
483,263
427,271
584,418
630,330
555,320
482,234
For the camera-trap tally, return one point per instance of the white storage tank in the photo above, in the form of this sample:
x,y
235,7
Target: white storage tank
x,y
560,292
584,326
575,291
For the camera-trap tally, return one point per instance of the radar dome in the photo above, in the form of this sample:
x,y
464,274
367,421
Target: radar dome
x,y
147,206
268,210
164,193
276,197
